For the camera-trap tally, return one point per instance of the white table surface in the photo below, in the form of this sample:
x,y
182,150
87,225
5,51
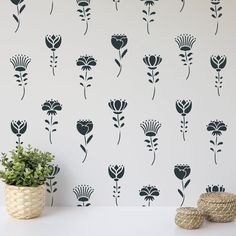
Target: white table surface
x,y
107,221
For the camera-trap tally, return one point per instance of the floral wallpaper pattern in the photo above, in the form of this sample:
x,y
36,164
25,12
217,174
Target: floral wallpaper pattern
x,y
120,91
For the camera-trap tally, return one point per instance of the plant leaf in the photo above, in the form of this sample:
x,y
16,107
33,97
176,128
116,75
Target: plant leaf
x,y
89,139
187,183
16,18
22,8
180,192
123,54
83,148
117,62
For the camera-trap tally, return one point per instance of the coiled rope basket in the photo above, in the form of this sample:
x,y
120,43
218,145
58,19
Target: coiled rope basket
x,y
218,207
189,218
24,202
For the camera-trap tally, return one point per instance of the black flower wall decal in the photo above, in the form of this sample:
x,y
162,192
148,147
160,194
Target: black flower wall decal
x,y
150,128
183,107
20,6
51,107
118,106
148,13
20,64
216,12
84,12
152,61
185,43
84,127
215,188
116,172
149,193
182,172
183,4
216,128
86,63
51,182
53,42
116,3
218,63
18,127
83,193
119,41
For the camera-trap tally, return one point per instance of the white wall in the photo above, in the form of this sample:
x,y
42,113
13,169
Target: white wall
x,y
132,85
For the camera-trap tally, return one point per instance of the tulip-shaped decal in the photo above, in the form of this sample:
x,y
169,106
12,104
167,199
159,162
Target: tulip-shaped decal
x,y
51,107
84,12
119,41
151,128
148,13
116,172
116,4
53,42
152,61
20,64
218,63
84,127
51,182
185,43
86,63
83,193
216,12
183,4
20,6
183,107
182,172
216,128
18,127
118,106
215,188
149,193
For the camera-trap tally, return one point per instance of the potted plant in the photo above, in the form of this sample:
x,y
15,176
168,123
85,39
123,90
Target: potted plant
x,y
25,172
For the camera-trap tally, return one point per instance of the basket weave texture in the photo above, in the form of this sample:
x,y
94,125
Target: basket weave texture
x,y
218,207
189,218
24,202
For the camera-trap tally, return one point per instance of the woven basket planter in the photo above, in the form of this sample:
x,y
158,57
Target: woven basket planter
x,y
189,218
24,202
218,207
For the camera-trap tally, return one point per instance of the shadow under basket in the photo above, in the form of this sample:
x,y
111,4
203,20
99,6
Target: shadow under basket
x,y
218,207
24,202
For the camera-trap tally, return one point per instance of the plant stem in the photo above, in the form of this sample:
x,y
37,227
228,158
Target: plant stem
x,y
52,5
215,150
50,131
154,87
183,1
217,23
148,15
154,153
218,84
183,194
116,5
23,86
183,130
187,61
120,64
118,124
85,78
19,142
51,190
53,61
116,196
149,203
86,153
18,22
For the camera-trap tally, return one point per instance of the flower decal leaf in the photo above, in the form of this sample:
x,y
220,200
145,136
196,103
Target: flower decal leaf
x,y
216,128
119,41
84,127
182,172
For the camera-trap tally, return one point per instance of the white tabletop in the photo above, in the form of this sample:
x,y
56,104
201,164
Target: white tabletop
x,y
107,221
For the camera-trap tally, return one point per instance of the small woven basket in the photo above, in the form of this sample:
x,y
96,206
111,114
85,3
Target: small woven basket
x,y
189,218
24,202
218,207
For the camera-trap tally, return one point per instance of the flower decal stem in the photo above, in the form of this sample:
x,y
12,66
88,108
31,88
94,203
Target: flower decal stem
x,y
149,193
216,14
50,183
20,6
52,6
20,64
51,106
116,172
86,63
119,41
185,43
182,172
118,106
218,63
83,194
53,42
150,128
148,13
116,4
183,107
84,12
18,128
216,127
183,4
84,127
152,61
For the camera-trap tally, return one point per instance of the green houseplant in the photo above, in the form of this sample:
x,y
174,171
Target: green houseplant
x,y
25,172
